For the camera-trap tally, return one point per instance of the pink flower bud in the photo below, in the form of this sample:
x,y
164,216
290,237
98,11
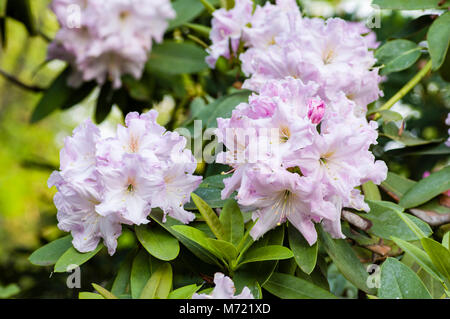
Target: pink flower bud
x,y
316,110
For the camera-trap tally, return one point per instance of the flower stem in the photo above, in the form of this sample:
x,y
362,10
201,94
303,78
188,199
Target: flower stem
x,y
404,90
209,7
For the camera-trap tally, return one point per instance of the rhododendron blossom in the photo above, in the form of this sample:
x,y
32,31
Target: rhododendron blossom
x,y
447,121
103,183
306,174
111,38
224,289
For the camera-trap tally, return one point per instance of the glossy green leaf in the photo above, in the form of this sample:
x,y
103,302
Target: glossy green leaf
x,y
411,4
49,254
391,131
271,252
397,55
73,257
104,292
440,255
371,191
232,222
291,287
210,217
177,58
446,240
121,284
397,185
158,242
89,295
226,249
346,260
438,38
387,222
159,284
9,291
141,271
185,292
223,107
304,254
186,10
427,188
400,282
419,256
197,249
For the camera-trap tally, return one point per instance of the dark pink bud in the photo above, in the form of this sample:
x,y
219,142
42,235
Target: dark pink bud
x,y
316,110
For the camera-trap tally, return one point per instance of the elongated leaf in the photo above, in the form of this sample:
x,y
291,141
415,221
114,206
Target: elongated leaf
x,y
159,284
271,252
210,217
371,191
397,185
387,222
411,4
440,255
158,242
104,102
140,273
438,38
226,249
186,10
291,287
121,284
446,240
104,292
419,256
73,257
223,107
9,291
407,138
397,55
346,260
89,295
21,11
304,254
400,282
49,254
232,222
427,188
177,58
197,249
185,292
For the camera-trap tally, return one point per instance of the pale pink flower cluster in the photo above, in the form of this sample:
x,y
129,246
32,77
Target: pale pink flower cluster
x,y
306,122
105,182
224,289
447,121
103,40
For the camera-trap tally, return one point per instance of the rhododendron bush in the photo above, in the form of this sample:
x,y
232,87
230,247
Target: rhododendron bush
x,y
260,152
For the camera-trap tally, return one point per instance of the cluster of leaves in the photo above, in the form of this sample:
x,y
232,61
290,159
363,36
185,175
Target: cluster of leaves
x,y
172,260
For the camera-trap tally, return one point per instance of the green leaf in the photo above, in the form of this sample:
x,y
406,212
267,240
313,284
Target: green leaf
x,y
185,292
419,256
73,257
271,252
186,10
103,292
159,284
291,287
391,131
400,282
21,11
427,188
210,217
411,4
223,107
158,242
89,295
397,185
197,249
440,255
397,55
346,260
389,116
387,222
371,191
59,96
446,240
304,254
9,291
121,284
232,222
141,271
210,191
177,58
226,249
49,254
438,38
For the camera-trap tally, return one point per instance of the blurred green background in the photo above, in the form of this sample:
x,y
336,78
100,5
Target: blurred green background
x,y
28,153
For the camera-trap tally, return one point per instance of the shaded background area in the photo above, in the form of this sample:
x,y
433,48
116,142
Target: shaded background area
x,y
29,152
